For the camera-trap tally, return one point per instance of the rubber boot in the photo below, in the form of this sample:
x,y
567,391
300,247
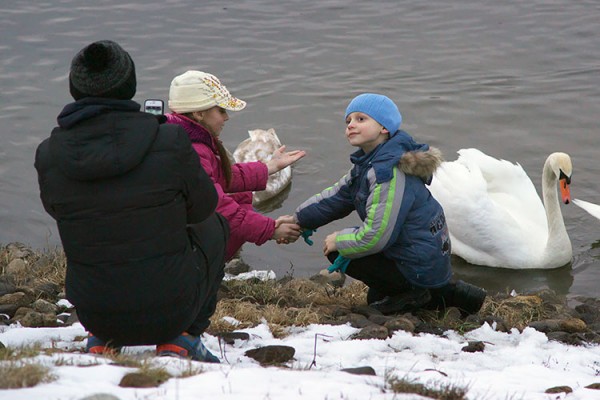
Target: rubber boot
x,y
468,298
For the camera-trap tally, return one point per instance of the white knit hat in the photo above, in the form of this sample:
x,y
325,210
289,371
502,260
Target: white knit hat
x,y
198,91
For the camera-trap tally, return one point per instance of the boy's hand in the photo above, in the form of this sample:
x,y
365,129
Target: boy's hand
x,y
281,159
286,233
330,244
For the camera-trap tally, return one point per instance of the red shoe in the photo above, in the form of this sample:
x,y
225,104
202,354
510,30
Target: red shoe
x,y
97,346
186,346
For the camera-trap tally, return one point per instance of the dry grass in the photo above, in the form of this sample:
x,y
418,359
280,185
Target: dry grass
x,y
517,311
444,392
15,374
298,302
48,266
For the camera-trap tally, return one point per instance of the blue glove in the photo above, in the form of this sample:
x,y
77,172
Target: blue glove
x,y
340,264
306,234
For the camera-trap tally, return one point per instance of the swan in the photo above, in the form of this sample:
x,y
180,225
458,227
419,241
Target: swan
x,y
591,208
260,146
496,218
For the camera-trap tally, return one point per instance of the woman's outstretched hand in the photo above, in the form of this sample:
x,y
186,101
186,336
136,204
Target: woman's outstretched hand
x,y
282,159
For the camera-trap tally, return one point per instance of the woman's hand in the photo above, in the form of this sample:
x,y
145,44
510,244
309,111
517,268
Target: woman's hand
x,y
330,245
286,232
281,159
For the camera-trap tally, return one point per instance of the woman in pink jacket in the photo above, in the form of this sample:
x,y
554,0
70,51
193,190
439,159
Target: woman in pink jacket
x,y
199,103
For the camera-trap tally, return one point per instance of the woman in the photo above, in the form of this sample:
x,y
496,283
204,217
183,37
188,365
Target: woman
x,y
199,103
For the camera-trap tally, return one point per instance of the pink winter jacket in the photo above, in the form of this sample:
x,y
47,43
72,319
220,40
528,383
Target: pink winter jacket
x,y
235,201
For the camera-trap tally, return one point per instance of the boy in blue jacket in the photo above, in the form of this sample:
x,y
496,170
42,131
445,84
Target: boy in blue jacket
x,y
402,249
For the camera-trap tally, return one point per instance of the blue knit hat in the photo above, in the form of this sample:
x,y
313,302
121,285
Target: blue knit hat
x,y
378,107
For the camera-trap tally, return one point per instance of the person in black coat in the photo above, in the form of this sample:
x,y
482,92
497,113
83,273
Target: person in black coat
x,y
135,212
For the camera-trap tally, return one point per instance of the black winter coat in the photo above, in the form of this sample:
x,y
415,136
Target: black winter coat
x,y
122,188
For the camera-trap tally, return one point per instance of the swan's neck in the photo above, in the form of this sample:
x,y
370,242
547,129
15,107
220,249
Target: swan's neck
x,y
557,233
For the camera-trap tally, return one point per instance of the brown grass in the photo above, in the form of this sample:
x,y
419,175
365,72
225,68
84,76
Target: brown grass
x,y
14,375
443,392
517,311
47,266
298,302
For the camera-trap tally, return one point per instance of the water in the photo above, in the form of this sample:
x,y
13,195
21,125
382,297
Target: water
x,y
518,80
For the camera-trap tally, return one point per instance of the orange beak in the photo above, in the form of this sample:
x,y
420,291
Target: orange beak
x,y
565,192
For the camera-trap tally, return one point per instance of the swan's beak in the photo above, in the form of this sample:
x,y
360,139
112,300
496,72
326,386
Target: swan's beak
x,y
565,192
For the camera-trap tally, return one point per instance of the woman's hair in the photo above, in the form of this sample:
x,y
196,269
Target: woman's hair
x,y
225,162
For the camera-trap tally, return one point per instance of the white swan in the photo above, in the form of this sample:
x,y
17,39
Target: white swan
x,y
495,216
591,208
260,146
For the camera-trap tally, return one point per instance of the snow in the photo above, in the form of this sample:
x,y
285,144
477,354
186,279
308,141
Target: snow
x,y
514,365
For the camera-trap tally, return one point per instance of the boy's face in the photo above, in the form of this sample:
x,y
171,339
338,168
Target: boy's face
x,y
364,132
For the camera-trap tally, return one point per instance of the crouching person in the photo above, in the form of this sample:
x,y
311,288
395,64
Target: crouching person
x,y
401,251
135,212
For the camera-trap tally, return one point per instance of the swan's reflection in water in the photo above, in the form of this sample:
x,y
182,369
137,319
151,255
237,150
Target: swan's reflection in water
x,y
502,280
274,202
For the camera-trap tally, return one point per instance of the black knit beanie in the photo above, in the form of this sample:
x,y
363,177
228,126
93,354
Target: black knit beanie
x,y
102,69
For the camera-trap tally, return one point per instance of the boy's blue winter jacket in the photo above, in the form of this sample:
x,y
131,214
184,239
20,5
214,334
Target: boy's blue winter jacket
x,y
400,216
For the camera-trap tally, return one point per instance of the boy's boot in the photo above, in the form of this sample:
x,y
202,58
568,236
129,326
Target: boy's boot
x,y
468,298
410,300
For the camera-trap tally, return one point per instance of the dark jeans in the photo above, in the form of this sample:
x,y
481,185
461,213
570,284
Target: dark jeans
x,y
383,278
379,273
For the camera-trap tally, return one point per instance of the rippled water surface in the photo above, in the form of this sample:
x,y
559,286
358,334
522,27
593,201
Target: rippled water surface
x,y
518,80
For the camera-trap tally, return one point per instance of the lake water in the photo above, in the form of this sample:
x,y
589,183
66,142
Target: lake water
x,y
517,80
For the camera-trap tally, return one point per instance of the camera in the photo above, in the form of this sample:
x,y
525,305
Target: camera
x,y
154,106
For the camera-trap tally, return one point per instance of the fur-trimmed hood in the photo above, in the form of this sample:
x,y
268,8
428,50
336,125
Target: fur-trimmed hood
x,y
421,163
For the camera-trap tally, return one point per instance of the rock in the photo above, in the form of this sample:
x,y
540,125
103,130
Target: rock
x,y
498,322
230,337
17,250
380,319
399,324
100,396
271,355
2,346
138,380
34,319
6,288
574,339
324,277
17,267
358,320
20,299
366,311
236,266
559,389
595,386
44,306
360,371
571,325
72,318
372,332
8,309
474,346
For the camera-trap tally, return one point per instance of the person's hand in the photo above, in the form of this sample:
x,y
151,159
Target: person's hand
x,y
330,245
285,219
281,159
286,233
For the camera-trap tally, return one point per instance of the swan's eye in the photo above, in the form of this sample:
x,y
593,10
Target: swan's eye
x,y
565,177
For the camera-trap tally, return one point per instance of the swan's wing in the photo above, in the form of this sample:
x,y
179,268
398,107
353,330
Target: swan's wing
x,y
593,209
483,225
509,186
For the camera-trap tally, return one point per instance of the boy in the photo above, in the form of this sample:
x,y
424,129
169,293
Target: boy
x,y
402,249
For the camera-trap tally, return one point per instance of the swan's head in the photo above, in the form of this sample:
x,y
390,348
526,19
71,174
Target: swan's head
x,y
560,164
